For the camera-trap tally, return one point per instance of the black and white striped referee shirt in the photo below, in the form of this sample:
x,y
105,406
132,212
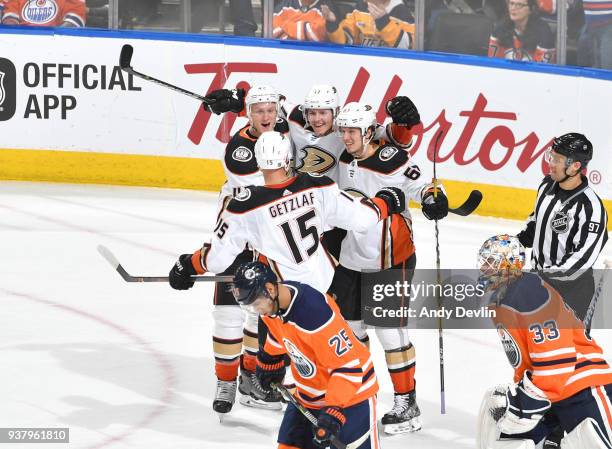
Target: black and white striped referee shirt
x,y
566,231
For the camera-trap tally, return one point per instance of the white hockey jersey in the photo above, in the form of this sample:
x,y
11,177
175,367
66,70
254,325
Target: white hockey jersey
x,y
390,241
283,224
320,154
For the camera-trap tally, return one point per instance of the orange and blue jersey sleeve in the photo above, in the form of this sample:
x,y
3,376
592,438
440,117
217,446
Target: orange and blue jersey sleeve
x,y
272,346
74,13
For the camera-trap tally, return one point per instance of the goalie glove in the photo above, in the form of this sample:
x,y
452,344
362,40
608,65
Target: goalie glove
x,y
521,407
224,100
403,111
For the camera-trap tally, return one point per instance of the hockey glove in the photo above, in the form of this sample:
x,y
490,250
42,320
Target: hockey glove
x,y
525,405
434,208
270,369
395,199
224,100
403,111
180,273
331,420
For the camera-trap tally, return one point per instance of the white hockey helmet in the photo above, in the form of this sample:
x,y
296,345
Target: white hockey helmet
x,y
322,96
261,94
273,150
500,260
357,115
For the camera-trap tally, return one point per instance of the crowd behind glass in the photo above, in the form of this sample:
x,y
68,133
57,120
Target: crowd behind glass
x,y
565,32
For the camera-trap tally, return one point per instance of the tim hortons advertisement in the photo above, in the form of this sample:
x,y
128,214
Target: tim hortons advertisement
x,y
492,125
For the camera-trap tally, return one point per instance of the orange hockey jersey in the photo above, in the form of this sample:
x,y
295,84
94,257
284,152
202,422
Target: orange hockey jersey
x,y
292,20
541,334
360,28
330,365
70,13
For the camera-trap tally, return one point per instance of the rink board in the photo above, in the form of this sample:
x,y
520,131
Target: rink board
x,y
68,114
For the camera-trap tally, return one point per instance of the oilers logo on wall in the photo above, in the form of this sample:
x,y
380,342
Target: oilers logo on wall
x,y
39,12
510,347
305,367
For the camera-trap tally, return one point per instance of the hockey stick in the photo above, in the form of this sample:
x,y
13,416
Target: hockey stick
x,y
315,422
469,205
125,62
439,280
110,257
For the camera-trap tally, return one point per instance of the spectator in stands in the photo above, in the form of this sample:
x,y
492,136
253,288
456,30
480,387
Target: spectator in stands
x,y
374,23
62,13
302,20
522,36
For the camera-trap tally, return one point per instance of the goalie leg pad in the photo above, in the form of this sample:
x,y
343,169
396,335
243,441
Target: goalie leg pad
x,y
586,435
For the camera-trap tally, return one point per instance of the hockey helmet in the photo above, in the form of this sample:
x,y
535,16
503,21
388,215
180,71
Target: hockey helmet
x,y
500,260
321,96
261,94
357,115
273,150
576,147
250,282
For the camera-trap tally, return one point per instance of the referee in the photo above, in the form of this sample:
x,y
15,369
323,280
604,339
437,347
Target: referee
x,y
568,228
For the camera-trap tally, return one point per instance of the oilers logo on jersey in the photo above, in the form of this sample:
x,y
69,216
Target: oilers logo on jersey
x,y
510,347
39,12
305,367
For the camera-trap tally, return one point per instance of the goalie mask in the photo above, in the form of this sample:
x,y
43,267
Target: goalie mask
x,y
272,151
500,261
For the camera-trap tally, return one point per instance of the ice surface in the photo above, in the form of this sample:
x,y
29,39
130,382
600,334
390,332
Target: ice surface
x,y
131,365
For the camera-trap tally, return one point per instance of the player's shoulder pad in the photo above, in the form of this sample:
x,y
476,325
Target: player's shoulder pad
x,y
251,197
297,116
387,159
239,155
310,310
527,294
282,126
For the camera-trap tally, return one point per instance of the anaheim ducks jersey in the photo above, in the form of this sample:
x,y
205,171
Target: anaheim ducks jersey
x,y
541,334
389,242
239,163
283,223
360,28
320,154
45,12
330,365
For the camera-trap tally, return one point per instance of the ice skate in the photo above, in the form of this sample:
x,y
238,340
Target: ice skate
x,y
253,395
224,397
404,416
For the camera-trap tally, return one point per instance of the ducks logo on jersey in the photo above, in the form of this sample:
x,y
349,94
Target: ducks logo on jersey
x,y
313,159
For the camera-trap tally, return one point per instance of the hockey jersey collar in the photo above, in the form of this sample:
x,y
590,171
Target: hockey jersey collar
x,y
285,315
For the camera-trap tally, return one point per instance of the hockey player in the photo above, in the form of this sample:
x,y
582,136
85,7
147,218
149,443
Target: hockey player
x,y
365,166
334,373
559,370
283,220
62,13
231,334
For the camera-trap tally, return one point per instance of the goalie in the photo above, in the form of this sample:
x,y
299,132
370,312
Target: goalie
x,y
560,374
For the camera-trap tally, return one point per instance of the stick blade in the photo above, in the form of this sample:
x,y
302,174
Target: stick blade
x,y
125,58
108,255
469,205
